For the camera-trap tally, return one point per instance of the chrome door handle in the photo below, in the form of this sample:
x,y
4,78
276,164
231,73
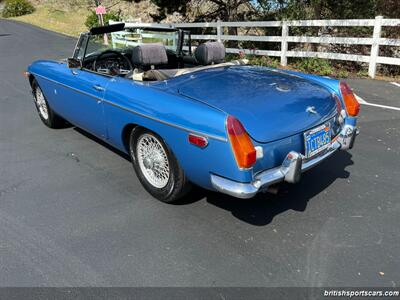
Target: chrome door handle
x,y
98,88
74,72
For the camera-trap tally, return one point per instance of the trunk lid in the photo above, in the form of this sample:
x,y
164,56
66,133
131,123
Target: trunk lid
x,y
270,104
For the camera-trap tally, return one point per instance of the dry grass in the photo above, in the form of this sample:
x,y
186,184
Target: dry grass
x,y
69,22
69,17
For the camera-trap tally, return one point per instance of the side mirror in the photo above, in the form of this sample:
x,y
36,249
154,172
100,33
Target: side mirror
x,y
73,63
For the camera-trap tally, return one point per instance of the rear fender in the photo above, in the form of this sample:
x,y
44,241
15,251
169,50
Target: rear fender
x,y
173,118
329,83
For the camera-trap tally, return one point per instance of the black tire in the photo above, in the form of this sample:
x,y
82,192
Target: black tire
x,y
51,119
177,185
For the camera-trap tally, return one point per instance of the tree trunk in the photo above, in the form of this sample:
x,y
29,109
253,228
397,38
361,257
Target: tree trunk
x,y
232,16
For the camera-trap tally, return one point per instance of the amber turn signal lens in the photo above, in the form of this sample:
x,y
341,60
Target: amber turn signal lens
x,y
352,105
245,153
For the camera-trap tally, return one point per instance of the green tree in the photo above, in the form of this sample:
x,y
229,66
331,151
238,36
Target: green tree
x,y
92,19
329,9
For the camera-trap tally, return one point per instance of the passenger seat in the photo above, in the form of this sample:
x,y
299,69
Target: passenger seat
x,y
210,53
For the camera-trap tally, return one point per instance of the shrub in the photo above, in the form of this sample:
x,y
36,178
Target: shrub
x,y
362,73
264,61
15,8
231,56
315,65
93,21
342,74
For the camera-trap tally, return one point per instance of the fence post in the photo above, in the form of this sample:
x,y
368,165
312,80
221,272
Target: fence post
x,y
284,44
375,46
219,30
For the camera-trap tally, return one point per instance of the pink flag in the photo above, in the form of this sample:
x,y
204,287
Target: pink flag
x,y
100,10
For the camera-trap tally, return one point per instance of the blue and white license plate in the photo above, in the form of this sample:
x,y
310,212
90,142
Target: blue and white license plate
x,y
317,140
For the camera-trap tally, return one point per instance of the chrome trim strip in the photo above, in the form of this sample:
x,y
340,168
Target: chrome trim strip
x,y
211,136
215,137
69,87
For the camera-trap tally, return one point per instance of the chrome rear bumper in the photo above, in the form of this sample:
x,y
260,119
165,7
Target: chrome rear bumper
x,y
290,171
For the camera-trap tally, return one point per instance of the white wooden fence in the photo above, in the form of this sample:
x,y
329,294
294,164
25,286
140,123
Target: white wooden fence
x,y
375,41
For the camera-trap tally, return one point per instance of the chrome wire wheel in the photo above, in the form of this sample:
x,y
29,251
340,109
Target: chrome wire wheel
x,y
153,160
41,104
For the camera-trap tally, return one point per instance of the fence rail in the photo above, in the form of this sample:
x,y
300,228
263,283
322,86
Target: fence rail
x,y
375,41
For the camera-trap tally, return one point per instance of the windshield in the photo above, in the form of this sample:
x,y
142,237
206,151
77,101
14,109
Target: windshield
x,y
134,37
113,51
129,38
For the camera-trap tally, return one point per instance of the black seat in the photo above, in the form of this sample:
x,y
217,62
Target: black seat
x,y
210,53
149,56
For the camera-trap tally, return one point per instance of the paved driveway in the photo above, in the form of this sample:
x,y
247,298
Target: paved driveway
x,y
72,212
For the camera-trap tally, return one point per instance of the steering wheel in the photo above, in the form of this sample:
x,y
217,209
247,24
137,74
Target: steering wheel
x,y
117,56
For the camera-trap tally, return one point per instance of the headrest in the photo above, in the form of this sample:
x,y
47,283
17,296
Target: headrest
x,y
149,54
210,53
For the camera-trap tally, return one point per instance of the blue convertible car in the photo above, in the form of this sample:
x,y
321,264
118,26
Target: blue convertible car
x,y
190,117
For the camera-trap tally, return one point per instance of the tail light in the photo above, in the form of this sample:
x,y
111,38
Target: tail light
x,y
242,147
352,105
338,103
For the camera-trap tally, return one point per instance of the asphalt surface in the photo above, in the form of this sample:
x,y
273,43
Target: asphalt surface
x,y
72,212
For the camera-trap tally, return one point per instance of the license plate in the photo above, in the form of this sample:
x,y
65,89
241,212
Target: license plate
x,y
317,139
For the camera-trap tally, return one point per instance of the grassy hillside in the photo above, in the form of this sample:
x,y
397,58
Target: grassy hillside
x,y
69,16
69,22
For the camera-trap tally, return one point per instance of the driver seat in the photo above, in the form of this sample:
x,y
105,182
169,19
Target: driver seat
x,y
149,56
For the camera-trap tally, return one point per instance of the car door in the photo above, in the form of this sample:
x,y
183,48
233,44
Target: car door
x,y
81,99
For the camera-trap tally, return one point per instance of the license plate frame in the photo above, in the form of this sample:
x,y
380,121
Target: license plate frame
x,y
317,139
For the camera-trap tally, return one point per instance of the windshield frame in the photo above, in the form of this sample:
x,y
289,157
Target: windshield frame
x,y
84,38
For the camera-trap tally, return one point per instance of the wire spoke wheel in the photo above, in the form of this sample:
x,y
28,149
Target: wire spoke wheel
x,y
153,160
156,166
41,104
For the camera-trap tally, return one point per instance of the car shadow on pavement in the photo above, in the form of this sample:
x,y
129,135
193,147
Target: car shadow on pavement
x,y
101,142
261,210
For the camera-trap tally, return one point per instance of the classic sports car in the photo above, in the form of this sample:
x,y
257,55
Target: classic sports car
x,y
188,117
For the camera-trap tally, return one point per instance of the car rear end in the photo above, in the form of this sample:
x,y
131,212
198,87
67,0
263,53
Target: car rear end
x,y
286,158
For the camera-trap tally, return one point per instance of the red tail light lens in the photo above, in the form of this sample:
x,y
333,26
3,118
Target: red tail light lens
x,y
242,147
352,105
338,103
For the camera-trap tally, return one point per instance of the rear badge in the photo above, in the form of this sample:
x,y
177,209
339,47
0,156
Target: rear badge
x,y
282,87
311,110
